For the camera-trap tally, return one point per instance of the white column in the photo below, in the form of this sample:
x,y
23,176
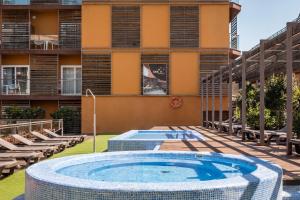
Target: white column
x,y
230,97
213,99
207,101
289,72
244,93
221,98
262,92
202,103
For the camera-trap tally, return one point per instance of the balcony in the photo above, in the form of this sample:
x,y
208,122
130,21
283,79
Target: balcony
x,y
15,86
41,2
44,42
21,87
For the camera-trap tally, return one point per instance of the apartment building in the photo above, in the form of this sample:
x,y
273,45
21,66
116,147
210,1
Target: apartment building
x,y
143,59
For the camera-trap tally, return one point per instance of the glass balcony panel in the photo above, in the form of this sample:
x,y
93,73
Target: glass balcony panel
x,y
16,2
71,87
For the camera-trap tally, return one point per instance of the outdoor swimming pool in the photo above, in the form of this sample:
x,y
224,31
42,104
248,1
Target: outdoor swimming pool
x,y
153,175
149,139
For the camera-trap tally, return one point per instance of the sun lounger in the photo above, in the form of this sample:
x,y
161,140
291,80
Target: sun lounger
x,y
60,145
28,157
72,142
296,143
269,135
48,151
7,166
54,135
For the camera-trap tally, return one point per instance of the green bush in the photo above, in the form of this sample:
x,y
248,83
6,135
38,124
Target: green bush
x,y
296,113
71,119
24,113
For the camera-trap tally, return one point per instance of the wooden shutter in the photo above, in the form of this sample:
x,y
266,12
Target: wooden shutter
x,y
126,26
184,26
96,74
43,75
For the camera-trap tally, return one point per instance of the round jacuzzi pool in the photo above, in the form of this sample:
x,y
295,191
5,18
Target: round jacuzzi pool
x,y
153,175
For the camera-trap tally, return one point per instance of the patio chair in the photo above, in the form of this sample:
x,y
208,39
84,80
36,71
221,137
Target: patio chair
x,y
71,142
47,151
29,157
54,135
8,166
60,145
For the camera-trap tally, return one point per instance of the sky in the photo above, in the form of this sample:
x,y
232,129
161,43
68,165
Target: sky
x,y
259,19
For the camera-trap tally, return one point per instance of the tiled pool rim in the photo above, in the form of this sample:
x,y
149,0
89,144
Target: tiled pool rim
x,y
123,142
42,182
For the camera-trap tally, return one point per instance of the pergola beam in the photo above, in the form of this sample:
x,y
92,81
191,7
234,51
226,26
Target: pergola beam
x,y
221,98
244,93
262,92
289,72
230,98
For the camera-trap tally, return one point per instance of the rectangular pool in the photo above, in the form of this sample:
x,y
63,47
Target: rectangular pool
x,y
135,140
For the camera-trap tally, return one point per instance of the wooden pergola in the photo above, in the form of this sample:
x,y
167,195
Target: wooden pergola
x,y
279,53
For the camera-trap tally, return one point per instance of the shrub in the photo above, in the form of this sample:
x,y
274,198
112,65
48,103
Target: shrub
x,y
25,113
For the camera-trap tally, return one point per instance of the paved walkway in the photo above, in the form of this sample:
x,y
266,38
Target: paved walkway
x,y
223,143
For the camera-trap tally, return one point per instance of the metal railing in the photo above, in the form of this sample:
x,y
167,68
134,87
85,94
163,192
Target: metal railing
x,y
44,42
18,87
11,126
15,86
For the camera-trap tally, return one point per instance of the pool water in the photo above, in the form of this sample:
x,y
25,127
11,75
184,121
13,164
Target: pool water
x,y
157,170
165,135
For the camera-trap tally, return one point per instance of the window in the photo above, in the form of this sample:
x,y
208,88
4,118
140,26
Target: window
x,y
15,80
71,80
155,79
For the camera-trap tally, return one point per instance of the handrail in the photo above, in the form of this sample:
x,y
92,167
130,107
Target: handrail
x,y
94,98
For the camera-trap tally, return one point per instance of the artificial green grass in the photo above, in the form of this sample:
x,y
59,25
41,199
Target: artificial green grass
x,y
13,186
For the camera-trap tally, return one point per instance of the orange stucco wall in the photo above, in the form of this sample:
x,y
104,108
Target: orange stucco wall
x,y
96,26
184,74
155,26
126,73
15,60
116,114
214,26
45,22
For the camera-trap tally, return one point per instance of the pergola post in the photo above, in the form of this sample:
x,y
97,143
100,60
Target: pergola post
x,y
206,101
213,100
202,103
230,97
221,99
262,92
289,72
244,93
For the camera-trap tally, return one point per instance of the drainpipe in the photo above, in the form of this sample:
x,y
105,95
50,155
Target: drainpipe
x,y
91,93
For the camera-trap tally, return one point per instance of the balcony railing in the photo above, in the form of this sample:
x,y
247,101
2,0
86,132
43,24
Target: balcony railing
x,y
41,2
45,42
65,87
15,86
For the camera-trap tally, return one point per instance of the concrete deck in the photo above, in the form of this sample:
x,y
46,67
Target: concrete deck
x,y
224,143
